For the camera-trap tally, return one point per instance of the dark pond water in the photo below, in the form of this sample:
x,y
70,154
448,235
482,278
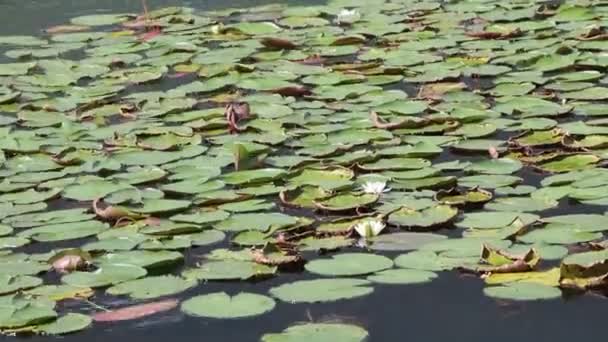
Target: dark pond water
x,y
446,309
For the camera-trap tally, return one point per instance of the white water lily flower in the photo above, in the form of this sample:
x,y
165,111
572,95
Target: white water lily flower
x,y
369,228
348,16
217,29
375,188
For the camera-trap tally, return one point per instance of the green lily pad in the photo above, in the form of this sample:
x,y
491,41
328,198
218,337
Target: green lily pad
x,y
503,166
349,264
19,312
522,204
221,305
17,268
228,270
570,163
493,220
256,221
424,218
325,244
299,22
464,248
593,93
403,241
302,197
70,323
151,287
153,158
321,332
156,206
430,261
201,217
326,179
488,181
343,202
396,164
402,277
523,292
472,196
64,231
321,290
253,176
144,259
559,235
106,275
60,292
10,284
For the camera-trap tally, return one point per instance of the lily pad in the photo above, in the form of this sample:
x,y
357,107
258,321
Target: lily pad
x,y
151,287
221,305
521,291
10,284
430,261
349,264
144,259
228,270
403,241
70,323
321,290
104,276
424,218
321,332
402,277
257,221
19,312
343,202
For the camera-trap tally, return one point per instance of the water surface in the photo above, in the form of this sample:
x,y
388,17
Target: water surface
x,y
448,309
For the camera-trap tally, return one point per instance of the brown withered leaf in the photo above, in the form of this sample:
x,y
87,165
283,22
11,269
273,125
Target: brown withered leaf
x,y
497,261
136,311
152,221
349,40
585,283
141,22
65,159
295,91
355,66
312,60
546,10
273,255
234,113
585,270
594,33
435,91
495,34
278,43
379,123
460,197
113,213
70,260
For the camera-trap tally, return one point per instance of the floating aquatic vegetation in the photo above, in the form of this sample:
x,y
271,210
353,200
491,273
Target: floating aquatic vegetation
x,y
344,129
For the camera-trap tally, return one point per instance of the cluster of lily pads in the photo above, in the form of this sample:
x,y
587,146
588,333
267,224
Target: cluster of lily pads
x,y
347,140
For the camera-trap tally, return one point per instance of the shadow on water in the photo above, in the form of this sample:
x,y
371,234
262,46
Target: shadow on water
x,y
451,308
